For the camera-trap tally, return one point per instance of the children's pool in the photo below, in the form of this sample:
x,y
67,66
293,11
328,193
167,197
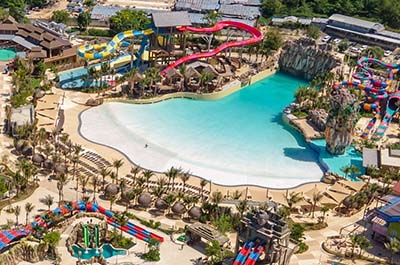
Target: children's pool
x,y
240,139
7,54
106,249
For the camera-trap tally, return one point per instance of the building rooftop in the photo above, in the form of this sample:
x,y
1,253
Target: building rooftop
x,y
249,12
356,22
370,157
23,115
171,19
197,5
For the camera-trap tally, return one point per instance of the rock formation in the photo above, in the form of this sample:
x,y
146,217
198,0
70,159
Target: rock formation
x,y
318,118
304,60
341,121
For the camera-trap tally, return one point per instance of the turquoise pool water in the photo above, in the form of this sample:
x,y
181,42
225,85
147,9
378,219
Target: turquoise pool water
x,y
107,249
7,54
240,139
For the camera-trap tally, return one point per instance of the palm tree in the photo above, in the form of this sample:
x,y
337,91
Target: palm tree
x,y
316,198
324,209
292,198
48,200
104,172
28,209
393,246
8,111
117,164
241,207
95,182
112,199
153,74
129,196
169,200
185,176
203,183
205,79
131,76
147,174
171,174
135,170
349,170
84,182
216,199
17,211
121,219
364,244
62,180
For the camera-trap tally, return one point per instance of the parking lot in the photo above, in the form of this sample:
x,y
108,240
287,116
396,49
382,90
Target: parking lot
x,y
356,49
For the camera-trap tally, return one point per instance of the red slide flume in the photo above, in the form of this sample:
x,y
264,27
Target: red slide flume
x,y
256,37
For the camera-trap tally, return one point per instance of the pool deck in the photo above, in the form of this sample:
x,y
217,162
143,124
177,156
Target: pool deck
x,y
308,130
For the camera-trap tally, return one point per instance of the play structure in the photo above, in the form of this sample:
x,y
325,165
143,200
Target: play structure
x,y
6,236
104,50
249,254
377,92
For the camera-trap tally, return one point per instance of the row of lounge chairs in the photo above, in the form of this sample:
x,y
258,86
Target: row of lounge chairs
x,y
96,159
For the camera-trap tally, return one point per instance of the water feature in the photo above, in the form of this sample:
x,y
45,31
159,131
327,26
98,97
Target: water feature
x,y
7,54
107,250
240,139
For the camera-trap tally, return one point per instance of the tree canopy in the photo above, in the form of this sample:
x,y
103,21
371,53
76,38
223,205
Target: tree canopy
x,y
128,20
83,20
60,16
385,11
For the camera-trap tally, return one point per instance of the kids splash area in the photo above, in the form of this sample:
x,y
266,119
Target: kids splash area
x,y
89,240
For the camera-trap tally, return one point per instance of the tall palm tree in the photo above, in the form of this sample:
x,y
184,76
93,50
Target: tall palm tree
x,y
104,172
205,79
62,180
131,76
241,207
292,198
28,209
117,164
169,200
203,183
316,198
324,209
17,211
185,176
147,174
216,199
171,174
48,200
8,111
84,182
135,170
112,199
95,182
153,74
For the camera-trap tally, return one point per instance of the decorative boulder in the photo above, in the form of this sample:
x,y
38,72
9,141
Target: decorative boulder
x,y
111,190
318,118
144,200
178,208
195,212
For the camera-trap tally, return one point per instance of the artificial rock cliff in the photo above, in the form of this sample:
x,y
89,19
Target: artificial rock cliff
x,y
341,122
304,60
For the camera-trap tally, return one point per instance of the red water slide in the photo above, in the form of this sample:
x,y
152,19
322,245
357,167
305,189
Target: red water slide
x,y
256,37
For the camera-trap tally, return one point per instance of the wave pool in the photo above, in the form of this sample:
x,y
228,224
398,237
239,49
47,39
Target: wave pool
x,y
240,139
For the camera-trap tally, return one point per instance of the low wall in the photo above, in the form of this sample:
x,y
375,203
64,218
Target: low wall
x,y
226,90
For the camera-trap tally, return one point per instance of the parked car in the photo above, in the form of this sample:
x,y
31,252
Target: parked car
x,y
326,38
337,41
364,47
397,57
387,53
355,49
